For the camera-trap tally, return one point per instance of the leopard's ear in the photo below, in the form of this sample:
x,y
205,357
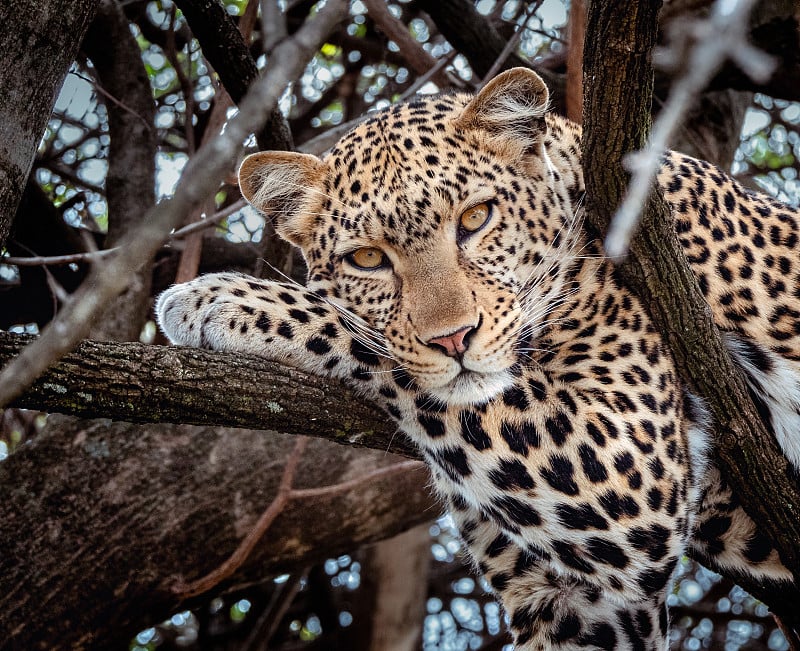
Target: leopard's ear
x,y
280,184
512,106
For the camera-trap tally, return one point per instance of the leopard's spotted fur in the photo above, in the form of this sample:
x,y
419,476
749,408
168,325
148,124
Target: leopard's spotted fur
x,y
533,382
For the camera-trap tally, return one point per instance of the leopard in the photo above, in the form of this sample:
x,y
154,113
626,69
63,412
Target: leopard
x,y
452,282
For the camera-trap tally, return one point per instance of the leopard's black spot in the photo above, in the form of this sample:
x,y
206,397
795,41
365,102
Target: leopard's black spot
x,y
318,345
453,460
581,516
560,475
607,551
301,316
511,474
432,425
520,438
263,323
472,430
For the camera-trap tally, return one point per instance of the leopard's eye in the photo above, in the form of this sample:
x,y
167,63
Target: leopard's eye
x,y
475,218
367,257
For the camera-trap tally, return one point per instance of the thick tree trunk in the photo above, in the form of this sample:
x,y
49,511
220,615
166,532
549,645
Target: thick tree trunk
x,y
40,41
616,121
100,521
130,191
400,566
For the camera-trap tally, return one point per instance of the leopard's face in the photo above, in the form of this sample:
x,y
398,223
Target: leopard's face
x,y
449,242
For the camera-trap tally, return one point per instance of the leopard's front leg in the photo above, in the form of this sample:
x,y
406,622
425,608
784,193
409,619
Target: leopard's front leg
x,y
282,322
548,609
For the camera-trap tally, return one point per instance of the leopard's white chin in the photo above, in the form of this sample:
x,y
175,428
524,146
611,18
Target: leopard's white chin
x,y
471,388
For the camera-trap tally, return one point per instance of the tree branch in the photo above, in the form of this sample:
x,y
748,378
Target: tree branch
x,y
151,384
410,49
130,191
471,34
113,512
616,116
200,178
225,49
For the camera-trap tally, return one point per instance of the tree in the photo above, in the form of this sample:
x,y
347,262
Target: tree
x,y
101,495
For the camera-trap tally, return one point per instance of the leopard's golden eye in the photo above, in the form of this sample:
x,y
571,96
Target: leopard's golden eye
x,y
475,218
367,257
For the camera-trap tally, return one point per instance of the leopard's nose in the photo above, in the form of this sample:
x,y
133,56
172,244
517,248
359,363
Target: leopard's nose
x,y
455,343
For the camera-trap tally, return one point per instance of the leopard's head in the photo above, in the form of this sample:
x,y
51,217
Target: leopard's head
x,y
441,224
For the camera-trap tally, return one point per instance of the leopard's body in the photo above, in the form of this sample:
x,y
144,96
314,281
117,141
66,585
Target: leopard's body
x,y
546,404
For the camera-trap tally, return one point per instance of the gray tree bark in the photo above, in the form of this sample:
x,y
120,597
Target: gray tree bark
x,y
101,521
159,384
130,190
616,121
40,41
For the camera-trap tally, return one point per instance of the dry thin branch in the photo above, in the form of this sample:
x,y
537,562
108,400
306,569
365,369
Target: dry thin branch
x,y
420,81
324,141
52,260
111,98
283,496
411,49
68,174
184,79
722,36
91,256
208,222
200,178
512,43
240,554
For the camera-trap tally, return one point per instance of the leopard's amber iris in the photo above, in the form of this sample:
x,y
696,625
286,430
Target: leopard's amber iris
x,y
472,219
367,257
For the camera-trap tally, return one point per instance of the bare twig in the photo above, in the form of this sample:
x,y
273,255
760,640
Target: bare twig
x,y
235,560
248,20
184,79
200,178
420,81
512,43
110,97
91,256
723,35
411,49
324,141
275,611
67,174
208,222
284,495
342,487
54,260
